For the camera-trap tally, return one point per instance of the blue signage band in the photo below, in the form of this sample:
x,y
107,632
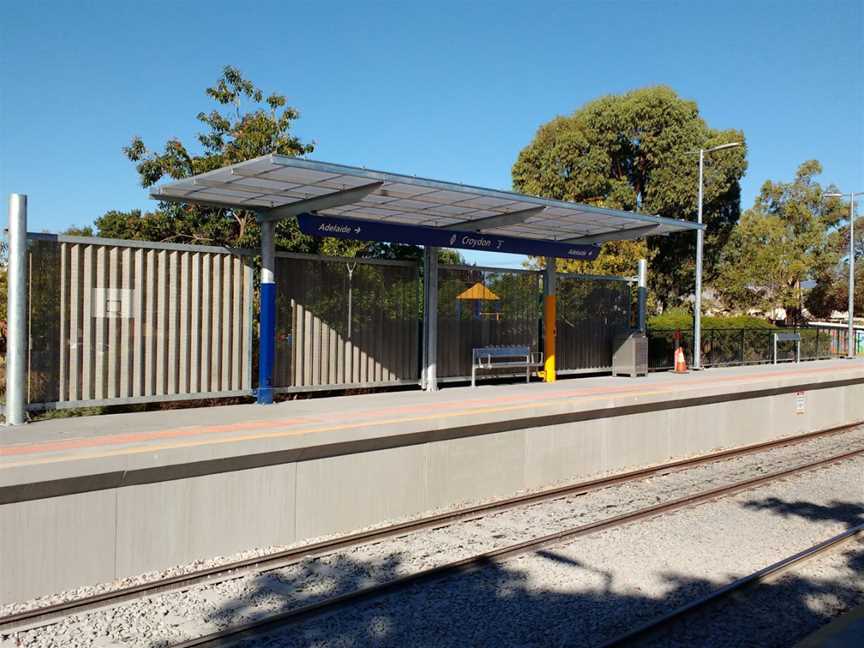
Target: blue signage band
x,y
364,230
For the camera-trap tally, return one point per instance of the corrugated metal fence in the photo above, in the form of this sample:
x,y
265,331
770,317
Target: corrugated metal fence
x,y
345,322
115,322
127,321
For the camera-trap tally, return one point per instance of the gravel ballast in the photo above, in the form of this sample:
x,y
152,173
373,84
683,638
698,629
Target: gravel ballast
x,y
591,590
780,612
173,617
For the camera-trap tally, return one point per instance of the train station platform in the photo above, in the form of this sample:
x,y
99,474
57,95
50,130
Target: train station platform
x,y
93,499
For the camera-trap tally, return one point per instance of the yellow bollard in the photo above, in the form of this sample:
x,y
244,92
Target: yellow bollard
x,y
549,338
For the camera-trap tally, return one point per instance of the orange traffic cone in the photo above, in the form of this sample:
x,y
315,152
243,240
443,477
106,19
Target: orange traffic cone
x,y
680,361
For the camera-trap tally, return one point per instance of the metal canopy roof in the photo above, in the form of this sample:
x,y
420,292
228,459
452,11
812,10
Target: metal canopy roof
x,y
278,186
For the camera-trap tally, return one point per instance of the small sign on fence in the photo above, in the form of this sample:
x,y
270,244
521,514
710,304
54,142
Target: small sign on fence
x,y
113,303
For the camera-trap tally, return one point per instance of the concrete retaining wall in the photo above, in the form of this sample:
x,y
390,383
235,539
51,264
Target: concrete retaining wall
x,y
57,543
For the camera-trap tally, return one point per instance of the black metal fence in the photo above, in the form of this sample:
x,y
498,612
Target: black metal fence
x,y
731,347
479,307
591,311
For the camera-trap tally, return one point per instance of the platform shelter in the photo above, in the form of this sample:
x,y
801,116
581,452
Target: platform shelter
x,y
184,314
358,203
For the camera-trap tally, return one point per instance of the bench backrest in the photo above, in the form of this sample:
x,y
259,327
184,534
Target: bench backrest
x,y
501,351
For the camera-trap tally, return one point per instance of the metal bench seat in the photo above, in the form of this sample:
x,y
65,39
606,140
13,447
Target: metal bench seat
x,y
502,357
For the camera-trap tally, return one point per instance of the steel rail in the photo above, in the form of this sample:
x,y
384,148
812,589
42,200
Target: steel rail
x,y
663,622
259,627
260,564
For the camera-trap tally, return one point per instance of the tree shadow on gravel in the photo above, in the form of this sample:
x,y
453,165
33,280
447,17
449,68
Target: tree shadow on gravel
x,y
499,605
849,513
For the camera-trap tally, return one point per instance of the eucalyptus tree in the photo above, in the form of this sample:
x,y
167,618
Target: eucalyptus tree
x,y
789,235
639,151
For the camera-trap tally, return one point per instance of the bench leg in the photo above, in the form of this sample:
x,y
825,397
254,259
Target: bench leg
x,y
528,374
473,376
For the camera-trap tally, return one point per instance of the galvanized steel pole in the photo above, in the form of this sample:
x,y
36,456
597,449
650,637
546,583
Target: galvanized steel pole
x,y
642,297
16,350
851,342
852,345
697,305
431,315
267,325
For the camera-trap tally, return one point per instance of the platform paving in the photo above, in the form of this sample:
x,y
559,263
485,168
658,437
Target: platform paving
x,y
67,447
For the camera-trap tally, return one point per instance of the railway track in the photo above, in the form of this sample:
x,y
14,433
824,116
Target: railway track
x,y
46,615
260,627
664,623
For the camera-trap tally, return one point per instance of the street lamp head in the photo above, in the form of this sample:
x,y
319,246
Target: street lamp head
x,y
833,194
723,146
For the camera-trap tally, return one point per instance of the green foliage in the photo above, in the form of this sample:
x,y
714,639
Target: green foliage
x,y
244,125
831,292
75,230
783,240
682,319
4,285
639,151
4,293
259,129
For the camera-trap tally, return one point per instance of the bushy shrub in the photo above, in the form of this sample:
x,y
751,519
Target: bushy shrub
x,y
681,318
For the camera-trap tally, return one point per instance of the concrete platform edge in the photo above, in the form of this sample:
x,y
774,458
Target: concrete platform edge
x,y
29,491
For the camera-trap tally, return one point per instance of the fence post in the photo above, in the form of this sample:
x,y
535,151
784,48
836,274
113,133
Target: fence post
x,y
16,350
430,316
642,298
711,351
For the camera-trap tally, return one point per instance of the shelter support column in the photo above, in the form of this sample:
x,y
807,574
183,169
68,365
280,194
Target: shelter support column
x,y
549,319
430,319
267,326
642,297
16,351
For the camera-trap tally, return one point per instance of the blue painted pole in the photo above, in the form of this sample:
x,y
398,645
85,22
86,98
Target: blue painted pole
x,y
267,326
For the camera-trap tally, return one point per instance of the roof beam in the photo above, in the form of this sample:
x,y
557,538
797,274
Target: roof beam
x,y
161,195
498,220
327,201
618,235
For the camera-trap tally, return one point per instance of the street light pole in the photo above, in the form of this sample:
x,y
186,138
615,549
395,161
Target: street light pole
x,y
851,315
852,345
700,238
697,305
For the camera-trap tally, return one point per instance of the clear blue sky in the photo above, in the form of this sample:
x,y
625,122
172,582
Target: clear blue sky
x,y
450,91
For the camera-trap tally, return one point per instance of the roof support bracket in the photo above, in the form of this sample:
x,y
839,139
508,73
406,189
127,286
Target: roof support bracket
x,y
618,235
327,201
498,220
